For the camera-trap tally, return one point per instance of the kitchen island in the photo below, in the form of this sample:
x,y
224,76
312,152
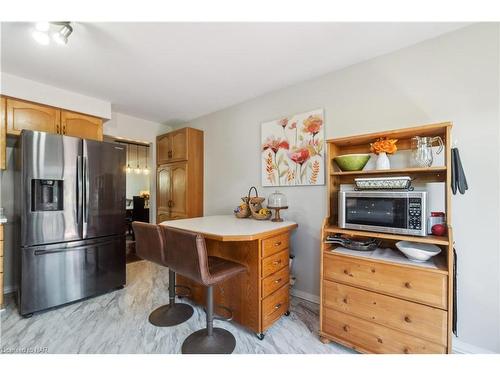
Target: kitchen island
x,y
259,296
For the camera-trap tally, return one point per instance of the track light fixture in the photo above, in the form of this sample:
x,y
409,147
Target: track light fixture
x,y
42,29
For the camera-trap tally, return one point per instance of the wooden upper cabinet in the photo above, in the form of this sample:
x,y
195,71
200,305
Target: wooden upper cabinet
x,y
31,116
3,140
173,146
162,149
179,145
21,114
81,126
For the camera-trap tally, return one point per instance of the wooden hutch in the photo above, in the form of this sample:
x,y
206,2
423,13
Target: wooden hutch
x,y
376,305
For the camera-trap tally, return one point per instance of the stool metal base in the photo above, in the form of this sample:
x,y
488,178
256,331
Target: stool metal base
x,y
171,315
221,342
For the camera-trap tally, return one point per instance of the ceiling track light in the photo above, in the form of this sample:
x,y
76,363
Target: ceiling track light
x,y
61,37
41,32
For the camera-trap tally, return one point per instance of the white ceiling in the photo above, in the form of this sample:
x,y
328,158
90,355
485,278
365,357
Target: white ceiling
x,y
174,72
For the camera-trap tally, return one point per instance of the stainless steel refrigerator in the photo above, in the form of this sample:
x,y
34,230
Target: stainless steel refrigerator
x,y
72,209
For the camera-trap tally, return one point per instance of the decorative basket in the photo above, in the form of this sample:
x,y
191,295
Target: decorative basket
x,y
244,210
255,204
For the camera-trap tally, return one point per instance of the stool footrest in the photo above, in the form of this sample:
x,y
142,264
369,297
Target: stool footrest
x,y
186,288
222,318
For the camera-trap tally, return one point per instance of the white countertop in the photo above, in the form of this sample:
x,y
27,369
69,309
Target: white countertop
x,y
230,228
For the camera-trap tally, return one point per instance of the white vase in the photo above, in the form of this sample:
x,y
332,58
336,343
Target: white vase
x,y
383,161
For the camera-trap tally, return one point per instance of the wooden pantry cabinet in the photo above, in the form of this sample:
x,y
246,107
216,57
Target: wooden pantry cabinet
x,y
22,114
385,305
179,175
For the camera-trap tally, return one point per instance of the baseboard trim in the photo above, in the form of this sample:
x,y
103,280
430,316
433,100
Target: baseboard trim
x,y
305,295
460,347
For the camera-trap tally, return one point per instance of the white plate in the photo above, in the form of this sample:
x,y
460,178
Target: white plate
x,y
419,252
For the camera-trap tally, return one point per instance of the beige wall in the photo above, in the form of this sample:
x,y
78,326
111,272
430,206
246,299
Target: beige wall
x,y
454,77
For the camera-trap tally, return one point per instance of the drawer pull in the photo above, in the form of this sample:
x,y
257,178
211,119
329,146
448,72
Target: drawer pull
x,y
380,340
277,306
406,351
277,281
346,328
407,319
347,273
344,300
408,285
276,262
277,243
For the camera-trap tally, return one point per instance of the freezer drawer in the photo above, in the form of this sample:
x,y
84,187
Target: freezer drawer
x,y
57,274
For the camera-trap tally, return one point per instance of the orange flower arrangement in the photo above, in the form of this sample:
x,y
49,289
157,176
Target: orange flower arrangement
x,y
384,145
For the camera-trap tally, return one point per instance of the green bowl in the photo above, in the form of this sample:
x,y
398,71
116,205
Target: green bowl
x,y
352,162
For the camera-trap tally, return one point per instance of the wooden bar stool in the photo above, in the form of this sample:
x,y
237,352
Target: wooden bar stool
x,y
188,257
150,245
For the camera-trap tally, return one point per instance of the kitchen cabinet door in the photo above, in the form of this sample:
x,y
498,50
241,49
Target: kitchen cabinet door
x,y
178,198
163,192
163,149
3,129
178,141
81,126
31,116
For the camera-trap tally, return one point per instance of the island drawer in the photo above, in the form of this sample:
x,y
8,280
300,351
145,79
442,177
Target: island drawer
x,y
275,281
274,244
274,306
274,263
374,338
424,321
424,286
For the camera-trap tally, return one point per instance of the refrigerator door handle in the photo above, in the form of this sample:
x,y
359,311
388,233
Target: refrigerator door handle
x,y
79,187
86,187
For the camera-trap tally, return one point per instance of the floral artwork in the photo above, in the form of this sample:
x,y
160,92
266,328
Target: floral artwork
x,y
292,150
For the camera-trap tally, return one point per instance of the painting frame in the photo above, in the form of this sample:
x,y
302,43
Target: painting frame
x,y
292,150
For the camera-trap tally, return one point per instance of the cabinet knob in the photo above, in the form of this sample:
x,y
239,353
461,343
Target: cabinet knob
x,y
169,154
277,306
277,243
380,341
346,328
346,272
408,285
344,300
277,281
406,351
407,319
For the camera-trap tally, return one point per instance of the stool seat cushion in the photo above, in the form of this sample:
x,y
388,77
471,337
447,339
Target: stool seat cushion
x,y
221,269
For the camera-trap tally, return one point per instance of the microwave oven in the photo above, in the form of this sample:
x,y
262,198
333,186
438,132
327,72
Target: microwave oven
x,y
397,212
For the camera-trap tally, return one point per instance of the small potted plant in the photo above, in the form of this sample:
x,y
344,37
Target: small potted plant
x,y
382,147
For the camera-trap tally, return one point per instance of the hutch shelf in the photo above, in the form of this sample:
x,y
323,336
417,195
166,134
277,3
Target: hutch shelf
x,y
378,305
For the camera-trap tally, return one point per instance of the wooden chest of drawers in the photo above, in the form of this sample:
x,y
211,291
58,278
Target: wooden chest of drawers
x,y
378,307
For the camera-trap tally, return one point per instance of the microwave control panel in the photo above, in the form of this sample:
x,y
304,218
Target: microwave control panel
x,y
415,213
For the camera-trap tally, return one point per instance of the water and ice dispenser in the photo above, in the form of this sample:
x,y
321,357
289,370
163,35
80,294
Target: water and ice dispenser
x,y
47,195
